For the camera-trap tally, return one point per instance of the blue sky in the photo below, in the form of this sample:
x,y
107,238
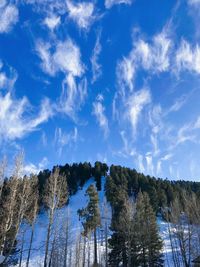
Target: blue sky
x,y
114,80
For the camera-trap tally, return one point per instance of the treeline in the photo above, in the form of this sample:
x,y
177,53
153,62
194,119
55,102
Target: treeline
x,y
162,192
130,236
77,174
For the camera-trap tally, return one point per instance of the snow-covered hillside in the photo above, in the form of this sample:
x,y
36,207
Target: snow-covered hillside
x,y
65,214
68,214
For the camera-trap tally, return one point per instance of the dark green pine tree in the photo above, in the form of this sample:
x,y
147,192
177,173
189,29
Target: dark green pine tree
x,y
148,241
90,216
116,193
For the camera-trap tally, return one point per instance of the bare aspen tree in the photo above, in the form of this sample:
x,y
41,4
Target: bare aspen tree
x,y
105,222
54,254
88,248
78,250
24,198
192,213
66,240
32,210
54,197
84,250
174,251
70,257
60,241
11,210
3,166
22,248
181,232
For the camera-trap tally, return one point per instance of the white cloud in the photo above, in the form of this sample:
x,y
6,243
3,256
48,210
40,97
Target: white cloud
x,y
188,57
31,168
184,134
9,16
14,123
52,22
81,13
43,163
194,2
155,119
99,112
62,139
126,73
73,96
96,67
155,144
3,79
167,157
7,77
65,59
110,3
149,161
136,104
44,139
151,56
48,6
197,123
43,50
127,150
155,56
141,163
159,168
16,116
46,111
178,104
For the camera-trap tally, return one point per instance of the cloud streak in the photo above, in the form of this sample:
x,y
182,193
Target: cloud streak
x,y
14,124
110,3
99,112
96,67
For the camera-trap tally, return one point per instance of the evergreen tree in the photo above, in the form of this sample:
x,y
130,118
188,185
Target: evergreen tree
x,y
91,217
147,239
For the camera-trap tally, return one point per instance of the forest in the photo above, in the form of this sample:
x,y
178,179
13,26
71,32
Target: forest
x,y
121,229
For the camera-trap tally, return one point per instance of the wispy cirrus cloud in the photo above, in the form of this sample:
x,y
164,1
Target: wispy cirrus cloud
x,y
149,163
66,59
99,112
73,96
62,139
96,67
52,21
152,56
188,57
16,116
14,123
47,6
194,2
82,13
8,77
31,168
9,16
110,3
136,104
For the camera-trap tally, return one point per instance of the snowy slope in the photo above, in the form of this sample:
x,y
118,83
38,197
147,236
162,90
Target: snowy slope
x,y
76,202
